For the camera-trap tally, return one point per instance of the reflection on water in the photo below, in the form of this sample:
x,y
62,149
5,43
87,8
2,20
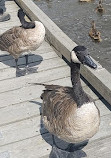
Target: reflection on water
x,y
74,18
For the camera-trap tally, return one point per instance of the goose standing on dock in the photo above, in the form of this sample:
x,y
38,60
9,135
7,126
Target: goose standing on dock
x,y
24,38
68,112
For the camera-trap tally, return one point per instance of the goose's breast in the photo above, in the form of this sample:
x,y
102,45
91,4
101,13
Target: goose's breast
x,y
84,123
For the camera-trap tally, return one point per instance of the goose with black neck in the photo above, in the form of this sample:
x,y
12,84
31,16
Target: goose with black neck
x,y
68,112
22,39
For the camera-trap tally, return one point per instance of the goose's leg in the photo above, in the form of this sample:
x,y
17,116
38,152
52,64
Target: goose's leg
x,y
70,148
19,72
54,143
29,70
74,147
16,61
26,57
56,152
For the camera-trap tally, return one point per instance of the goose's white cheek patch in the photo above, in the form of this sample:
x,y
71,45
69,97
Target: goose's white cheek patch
x,y
74,57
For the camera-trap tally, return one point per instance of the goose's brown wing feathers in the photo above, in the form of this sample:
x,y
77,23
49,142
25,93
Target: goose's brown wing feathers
x,y
58,103
9,37
14,41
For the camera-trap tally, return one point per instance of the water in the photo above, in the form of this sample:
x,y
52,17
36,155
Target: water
x,y
74,18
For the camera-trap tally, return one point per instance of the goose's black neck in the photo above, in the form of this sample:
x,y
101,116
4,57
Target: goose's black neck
x,y
78,93
25,24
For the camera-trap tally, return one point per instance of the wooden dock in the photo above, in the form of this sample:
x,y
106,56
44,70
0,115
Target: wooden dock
x,y
22,134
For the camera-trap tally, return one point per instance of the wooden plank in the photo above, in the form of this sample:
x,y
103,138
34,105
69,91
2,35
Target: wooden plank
x,y
105,128
26,93
30,108
61,79
29,148
49,75
11,6
10,23
104,107
92,93
100,149
32,58
14,21
41,66
21,130
19,112
35,127
10,2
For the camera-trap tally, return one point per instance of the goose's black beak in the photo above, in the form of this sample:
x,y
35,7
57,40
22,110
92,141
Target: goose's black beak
x,y
89,62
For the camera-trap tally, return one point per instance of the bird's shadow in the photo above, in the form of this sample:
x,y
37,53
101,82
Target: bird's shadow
x,y
33,61
59,151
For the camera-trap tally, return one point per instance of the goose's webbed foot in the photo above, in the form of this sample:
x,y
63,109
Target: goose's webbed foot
x,y
30,70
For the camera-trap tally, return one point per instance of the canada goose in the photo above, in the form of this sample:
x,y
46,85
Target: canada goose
x,y
68,112
19,39
94,33
100,7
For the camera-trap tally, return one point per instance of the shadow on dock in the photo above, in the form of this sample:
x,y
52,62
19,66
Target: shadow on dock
x,y
33,61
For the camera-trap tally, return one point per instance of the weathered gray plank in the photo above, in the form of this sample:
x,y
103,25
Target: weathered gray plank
x,y
105,128
20,95
35,127
29,148
19,112
27,93
91,93
40,65
99,149
28,109
10,24
17,83
31,108
32,58
10,2
10,7
103,106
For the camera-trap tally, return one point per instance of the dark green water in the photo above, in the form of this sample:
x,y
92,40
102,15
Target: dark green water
x,y
74,18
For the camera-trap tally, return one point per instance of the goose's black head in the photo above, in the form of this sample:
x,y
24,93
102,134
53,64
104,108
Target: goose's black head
x,y
80,55
25,24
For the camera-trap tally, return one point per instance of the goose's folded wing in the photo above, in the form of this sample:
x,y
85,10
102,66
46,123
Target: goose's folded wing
x,y
57,100
9,37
